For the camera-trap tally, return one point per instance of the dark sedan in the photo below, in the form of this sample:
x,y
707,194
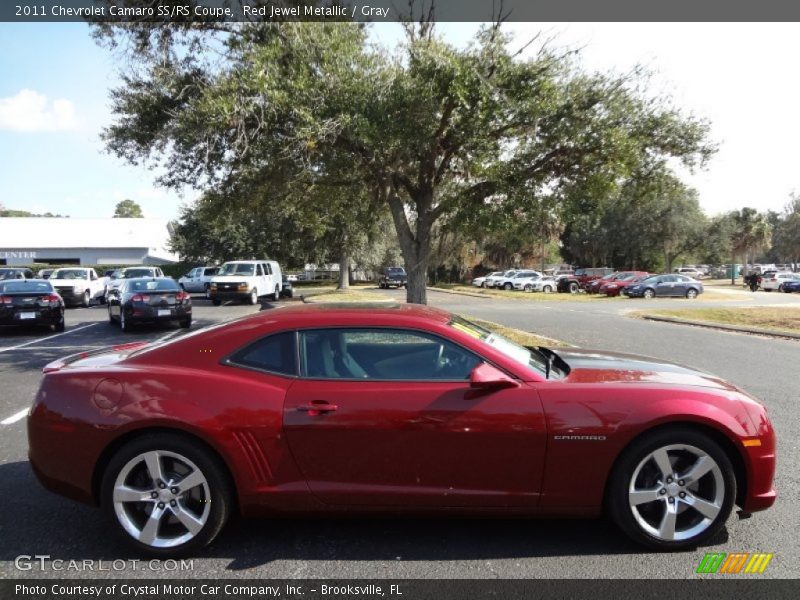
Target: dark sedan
x,y
15,273
791,286
665,285
149,300
30,302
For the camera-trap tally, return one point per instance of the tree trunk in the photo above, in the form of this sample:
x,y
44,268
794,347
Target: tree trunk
x,y
733,268
344,270
415,245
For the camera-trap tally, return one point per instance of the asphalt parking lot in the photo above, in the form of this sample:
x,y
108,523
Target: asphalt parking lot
x,y
34,521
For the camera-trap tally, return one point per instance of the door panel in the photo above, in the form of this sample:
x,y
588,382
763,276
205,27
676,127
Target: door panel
x,y
403,443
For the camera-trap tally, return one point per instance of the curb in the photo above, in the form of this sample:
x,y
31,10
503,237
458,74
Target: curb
x,y
734,328
459,293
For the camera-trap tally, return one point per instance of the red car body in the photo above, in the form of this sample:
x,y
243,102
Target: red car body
x,y
615,286
529,445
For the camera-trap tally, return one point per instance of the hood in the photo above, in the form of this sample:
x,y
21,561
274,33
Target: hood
x,y
68,282
230,278
598,366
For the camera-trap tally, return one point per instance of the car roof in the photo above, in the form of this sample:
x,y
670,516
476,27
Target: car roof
x,y
135,279
354,314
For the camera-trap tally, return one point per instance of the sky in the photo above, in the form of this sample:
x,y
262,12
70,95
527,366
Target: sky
x,y
55,82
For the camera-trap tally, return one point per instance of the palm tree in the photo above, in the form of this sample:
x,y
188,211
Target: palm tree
x,y
751,232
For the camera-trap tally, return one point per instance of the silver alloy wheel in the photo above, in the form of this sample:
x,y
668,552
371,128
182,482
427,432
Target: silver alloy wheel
x,y
676,492
547,289
648,293
691,293
254,296
161,499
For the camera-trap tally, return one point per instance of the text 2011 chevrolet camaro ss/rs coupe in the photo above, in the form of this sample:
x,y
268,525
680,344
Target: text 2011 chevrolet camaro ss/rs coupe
x,y
397,409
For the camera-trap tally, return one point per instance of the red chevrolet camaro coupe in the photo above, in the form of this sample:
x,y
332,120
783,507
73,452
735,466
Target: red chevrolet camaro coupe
x,y
397,409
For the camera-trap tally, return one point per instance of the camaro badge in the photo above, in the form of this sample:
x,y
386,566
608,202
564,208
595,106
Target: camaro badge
x,y
586,438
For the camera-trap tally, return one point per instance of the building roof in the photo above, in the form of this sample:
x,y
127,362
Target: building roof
x,y
45,232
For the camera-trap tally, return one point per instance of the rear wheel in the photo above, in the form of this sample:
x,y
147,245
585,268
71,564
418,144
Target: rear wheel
x,y
780,288
573,287
216,301
528,287
483,284
277,295
123,322
672,490
507,286
60,325
166,495
186,323
547,289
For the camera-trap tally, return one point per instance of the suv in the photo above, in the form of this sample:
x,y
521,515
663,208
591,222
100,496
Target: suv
x,y
79,286
509,283
198,279
15,273
776,281
246,280
117,277
578,281
393,277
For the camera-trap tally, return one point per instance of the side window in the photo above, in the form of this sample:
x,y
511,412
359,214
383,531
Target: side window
x,y
383,354
268,268
275,353
259,270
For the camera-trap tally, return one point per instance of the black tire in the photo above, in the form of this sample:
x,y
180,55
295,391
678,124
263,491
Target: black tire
x,y
60,326
528,287
206,292
620,480
780,288
277,295
111,318
691,293
574,287
766,289
186,323
507,286
483,284
547,289
214,471
102,299
86,300
123,322
216,301
649,294
253,299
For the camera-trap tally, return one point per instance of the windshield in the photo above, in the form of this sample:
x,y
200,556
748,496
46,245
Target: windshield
x,y
396,270
237,269
69,274
134,273
21,285
530,358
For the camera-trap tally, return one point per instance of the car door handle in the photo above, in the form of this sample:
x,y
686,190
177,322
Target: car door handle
x,y
317,407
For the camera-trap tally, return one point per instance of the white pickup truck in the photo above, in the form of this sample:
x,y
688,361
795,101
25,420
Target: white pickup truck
x,y
77,285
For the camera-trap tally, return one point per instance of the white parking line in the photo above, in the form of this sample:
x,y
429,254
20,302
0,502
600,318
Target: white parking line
x,y
49,337
15,417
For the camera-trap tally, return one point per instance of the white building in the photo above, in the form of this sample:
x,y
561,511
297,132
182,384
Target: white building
x,y
68,241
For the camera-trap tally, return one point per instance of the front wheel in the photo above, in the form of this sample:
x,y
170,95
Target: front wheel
x,y
780,288
254,297
216,301
167,495
547,289
483,284
672,490
186,323
86,300
573,287
507,286
528,287
277,295
649,294
691,293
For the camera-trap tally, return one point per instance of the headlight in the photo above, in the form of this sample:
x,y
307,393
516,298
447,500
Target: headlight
x,y
213,287
76,289
242,287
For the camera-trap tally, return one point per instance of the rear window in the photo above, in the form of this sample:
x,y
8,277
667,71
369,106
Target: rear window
x,y
25,286
275,353
134,273
158,285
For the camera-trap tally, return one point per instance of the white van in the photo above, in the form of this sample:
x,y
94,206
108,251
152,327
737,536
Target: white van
x,y
246,280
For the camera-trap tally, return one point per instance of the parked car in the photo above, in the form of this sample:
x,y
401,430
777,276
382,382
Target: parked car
x,y
393,277
481,281
665,285
692,272
120,275
30,302
593,286
246,280
491,279
79,286
287,291
44,273
574,283
149,300
616,286
277,413
776,281
15,273
198,279
791,286
507,282
545,283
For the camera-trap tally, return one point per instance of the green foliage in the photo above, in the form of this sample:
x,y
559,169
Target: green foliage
x,y
314,117
128,209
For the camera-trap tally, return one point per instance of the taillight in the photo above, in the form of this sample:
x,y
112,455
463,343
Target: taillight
x,y
140,298
182,296
6,300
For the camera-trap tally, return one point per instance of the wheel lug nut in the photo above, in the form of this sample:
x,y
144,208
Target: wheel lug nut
x,y
669,479
162,485
672,500
174,490
662,491
681,482
154,495
161,504
173,503
682,494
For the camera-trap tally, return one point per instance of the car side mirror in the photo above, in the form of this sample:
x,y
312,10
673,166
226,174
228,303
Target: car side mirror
x,y
487,377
